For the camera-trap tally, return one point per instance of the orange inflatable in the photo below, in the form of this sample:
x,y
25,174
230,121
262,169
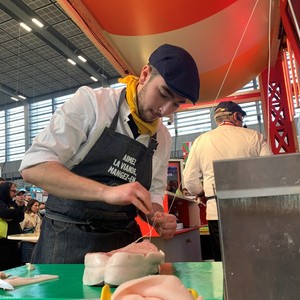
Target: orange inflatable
x,y
229,39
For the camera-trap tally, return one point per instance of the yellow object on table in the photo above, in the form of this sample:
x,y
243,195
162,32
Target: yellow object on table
x,y
193,293
105,293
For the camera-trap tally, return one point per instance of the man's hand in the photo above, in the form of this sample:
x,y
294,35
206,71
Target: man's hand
x,y
129,193
48,176
201,199
164,224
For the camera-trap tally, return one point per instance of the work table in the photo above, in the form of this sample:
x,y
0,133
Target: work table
x,y
205,277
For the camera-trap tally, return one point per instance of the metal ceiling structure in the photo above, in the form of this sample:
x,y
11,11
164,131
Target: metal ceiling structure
x,y
34,64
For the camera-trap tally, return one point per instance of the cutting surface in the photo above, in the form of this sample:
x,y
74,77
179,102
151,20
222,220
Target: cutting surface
x,y
205,277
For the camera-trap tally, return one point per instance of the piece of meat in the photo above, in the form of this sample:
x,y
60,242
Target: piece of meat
x,y
154,287
18,281
94,268
143,247
118,266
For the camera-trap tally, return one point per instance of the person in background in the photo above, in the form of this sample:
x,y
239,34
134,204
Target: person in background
x,y
20,198
173,186
229,140
103,160
2,180
30,224
13,214
27,197
42,210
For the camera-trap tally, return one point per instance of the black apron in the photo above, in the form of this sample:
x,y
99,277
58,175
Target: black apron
x,y
71,228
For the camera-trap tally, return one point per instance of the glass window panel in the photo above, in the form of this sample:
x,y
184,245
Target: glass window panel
x,y
41,111
59,101
39,115
16,150
17,143
14,132
41,124
40,104
16,156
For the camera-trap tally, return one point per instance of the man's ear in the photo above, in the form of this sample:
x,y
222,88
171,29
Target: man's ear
x,y
237,120
236,116
145,74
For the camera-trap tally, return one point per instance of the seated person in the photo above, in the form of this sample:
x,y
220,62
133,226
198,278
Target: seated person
x,y
30,224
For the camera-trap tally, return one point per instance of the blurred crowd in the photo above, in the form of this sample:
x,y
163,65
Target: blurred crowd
x,y
19,214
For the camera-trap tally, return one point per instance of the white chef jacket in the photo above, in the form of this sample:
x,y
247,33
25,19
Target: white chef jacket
x,y
77,125
224,142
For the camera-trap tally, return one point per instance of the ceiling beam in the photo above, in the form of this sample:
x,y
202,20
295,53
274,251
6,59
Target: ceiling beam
x,y
6,90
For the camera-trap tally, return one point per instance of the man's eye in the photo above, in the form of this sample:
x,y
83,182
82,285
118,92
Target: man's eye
x,y
163,95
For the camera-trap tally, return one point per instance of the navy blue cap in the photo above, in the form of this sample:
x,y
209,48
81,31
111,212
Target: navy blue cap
x,y
178,69
228,106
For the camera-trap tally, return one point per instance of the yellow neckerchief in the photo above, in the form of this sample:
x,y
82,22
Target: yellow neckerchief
x,y
143,127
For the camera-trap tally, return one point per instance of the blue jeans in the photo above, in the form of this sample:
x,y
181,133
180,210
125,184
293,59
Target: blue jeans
x,y
67,243
26,250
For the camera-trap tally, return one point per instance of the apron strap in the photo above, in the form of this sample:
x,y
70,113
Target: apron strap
x,y
153,142
114,122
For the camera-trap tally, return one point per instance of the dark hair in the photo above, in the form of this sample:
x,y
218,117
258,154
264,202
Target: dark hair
x,y
153,71
5,188
29,205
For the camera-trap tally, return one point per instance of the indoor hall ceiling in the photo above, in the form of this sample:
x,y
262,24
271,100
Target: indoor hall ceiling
x,y
34,64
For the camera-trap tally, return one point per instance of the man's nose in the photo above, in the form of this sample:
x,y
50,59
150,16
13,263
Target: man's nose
x,y
164,110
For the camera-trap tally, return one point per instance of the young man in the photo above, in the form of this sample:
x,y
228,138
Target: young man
x,y
229,140
103,159
20,198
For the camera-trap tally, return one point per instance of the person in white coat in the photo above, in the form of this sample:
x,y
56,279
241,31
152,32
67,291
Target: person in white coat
x,y
229,140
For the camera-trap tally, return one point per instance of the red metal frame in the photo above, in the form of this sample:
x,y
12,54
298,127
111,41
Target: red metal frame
x,y
281,125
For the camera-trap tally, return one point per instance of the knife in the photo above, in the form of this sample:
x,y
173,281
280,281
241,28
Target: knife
x,y
5,285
